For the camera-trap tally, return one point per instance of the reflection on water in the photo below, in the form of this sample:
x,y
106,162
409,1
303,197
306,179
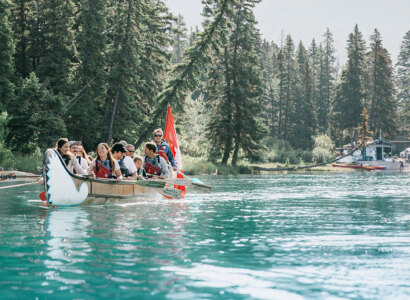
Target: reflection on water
x,y
67,244
264,237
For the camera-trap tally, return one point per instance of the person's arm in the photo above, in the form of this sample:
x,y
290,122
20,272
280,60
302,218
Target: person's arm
x,y
129,164
117,171
91,167
84,163
171,159
164,167
76,166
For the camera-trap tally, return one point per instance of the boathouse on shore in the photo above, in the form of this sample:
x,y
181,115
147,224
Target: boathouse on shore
x,y
379,149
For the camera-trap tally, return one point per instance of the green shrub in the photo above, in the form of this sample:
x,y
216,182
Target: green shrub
x,y
25,163
197,166
6,157
321,155
284,154
306,155
324,141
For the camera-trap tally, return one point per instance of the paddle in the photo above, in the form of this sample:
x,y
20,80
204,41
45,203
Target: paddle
x,y
151,183
196,183
171,192
17,176
17,185
172,181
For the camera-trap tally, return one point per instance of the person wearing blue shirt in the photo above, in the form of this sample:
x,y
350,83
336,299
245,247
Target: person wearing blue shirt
x,y
163,149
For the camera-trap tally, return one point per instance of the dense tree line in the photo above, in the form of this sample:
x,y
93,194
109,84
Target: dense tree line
x,y
88,69
105,70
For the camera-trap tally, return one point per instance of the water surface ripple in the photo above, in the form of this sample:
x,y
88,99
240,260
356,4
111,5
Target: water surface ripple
x,y
290,236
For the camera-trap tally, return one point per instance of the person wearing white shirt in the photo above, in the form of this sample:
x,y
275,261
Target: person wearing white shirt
x,y
75,149
127,166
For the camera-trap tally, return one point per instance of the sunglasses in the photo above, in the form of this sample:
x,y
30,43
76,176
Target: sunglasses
x,y
158,135
132,151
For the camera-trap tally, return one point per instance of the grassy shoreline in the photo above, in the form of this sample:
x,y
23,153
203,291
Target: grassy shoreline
x,y
200,166
192,166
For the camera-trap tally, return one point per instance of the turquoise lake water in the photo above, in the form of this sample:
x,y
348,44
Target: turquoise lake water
x,y
289,236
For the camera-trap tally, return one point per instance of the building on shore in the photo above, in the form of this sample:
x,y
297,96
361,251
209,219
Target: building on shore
x,y
379,149
377,153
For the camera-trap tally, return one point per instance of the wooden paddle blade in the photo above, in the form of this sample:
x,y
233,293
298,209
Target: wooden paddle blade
x,y
178,181
151,184
171,192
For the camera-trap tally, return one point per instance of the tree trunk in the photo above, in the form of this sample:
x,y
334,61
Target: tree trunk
x,y
114,110
280,111
228,138
235,154
234,97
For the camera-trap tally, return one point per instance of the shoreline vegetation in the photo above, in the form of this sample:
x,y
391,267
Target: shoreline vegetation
x,y
192,166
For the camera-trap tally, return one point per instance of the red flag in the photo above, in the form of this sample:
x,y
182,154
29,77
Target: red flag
x,y
170,135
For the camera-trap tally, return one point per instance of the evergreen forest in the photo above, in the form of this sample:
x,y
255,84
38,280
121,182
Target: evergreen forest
x,y
103,71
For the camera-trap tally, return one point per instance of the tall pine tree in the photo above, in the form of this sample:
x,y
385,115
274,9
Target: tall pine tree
x,y
403,85
350,93
185,75
287,89
85,110
35,121
236,89
6,60
246,83
22,19
268,100
180,41
58,52
305,122
383,107
326,78
138,62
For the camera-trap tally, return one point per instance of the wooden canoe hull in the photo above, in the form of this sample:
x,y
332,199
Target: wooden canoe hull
x,y
111,189
64,188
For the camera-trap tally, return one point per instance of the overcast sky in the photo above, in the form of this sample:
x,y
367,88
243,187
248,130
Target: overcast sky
x,y
308,19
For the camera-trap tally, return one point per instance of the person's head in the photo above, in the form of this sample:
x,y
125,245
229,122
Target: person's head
x,y
83,154
62,146
130,150
138,161
82,151
124,143
118,151
103,151
158,136
150,149
75,148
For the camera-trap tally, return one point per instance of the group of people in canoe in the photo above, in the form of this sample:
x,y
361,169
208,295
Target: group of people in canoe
x,y
119,162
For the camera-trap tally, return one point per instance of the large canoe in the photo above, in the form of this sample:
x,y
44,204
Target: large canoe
x,y
63,188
